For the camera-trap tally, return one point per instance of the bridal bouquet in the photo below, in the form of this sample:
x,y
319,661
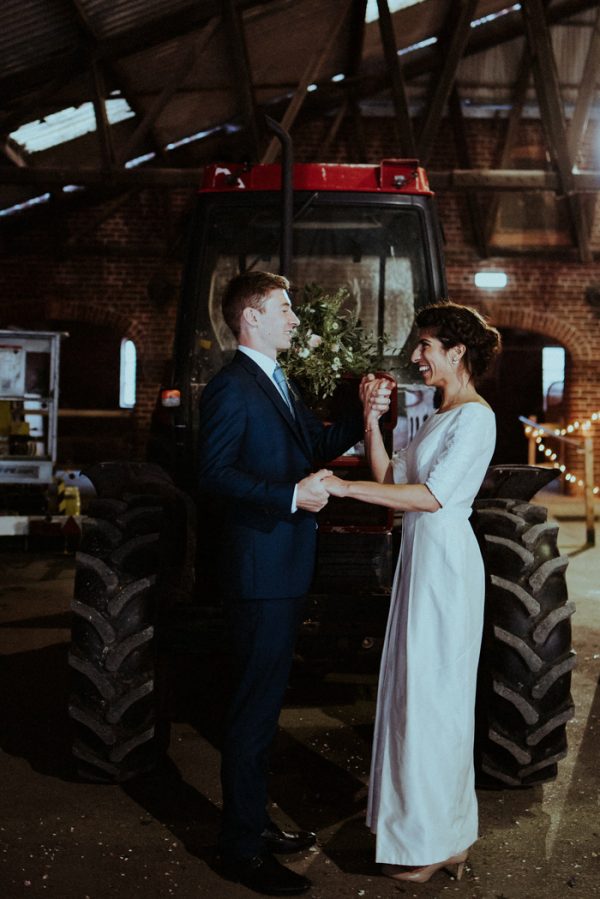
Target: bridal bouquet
x,y
328,343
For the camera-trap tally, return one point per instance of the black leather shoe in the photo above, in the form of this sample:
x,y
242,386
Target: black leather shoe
x,y
277,840
264,874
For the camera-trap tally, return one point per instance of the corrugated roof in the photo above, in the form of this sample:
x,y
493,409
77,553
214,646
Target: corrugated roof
x,y
110,19
33,30
146,46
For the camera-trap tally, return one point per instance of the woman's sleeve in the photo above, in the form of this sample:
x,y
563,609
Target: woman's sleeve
x,y
469,447
399,467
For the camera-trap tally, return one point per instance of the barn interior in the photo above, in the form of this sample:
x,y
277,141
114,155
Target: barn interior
x,y
112,117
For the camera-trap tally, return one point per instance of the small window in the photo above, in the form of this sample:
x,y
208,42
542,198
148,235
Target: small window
x,y
553,375
128,372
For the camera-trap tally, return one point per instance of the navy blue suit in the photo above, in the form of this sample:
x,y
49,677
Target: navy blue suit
x,y
252,453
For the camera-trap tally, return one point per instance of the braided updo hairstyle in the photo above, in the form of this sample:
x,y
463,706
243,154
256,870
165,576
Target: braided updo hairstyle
x,y
453,324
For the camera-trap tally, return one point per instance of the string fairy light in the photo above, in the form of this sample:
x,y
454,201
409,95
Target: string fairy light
x,y
537,433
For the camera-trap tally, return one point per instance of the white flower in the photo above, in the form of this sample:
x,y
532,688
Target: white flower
x,y
305,353
335,347
314,341
336,364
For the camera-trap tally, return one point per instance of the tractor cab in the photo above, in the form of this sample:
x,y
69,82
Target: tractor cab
x,y
371,229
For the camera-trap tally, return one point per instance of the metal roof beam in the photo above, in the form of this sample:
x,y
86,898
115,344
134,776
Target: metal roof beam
x,y
404,128
104,177
242,75
509,180
552,114
492,34
350,107
94,47
464,159
510,135
148,176
107,150
458,28
14,153
148,121
585,97
311,74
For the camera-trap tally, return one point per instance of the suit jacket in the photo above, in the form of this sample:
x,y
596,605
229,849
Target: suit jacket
x,y
252,453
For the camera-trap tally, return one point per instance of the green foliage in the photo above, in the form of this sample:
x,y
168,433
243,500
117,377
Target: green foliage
x,y
328,343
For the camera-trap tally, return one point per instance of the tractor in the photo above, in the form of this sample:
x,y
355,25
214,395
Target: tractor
x,y
142,569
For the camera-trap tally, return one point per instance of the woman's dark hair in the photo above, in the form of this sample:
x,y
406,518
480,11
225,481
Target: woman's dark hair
x,y
454,324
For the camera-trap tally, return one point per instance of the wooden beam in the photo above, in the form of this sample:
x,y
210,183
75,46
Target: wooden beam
x,y
242,76
158,178
107,151
310,75
357,145
458,26
509,180
510,137
492,34
14,153
148,176
464,160
552,114
404,128
156,107
585,96
144,176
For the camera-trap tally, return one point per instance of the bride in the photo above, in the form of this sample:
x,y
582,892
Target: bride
x,y
422,802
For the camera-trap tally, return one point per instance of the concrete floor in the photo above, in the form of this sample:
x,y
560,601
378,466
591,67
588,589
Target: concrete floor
x,y
155,838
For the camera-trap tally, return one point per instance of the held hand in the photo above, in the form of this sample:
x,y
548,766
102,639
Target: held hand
x,y
335,486
312,495
375,395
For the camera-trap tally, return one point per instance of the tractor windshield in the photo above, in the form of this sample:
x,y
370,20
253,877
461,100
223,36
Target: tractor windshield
x,y
384,254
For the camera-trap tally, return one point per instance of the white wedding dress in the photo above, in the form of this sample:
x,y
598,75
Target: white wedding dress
x,y
422,802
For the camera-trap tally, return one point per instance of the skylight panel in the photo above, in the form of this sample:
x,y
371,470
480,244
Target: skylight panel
x,y
372,13
66,125
495,15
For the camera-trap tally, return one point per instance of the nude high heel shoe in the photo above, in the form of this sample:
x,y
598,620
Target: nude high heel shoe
x,y
454,865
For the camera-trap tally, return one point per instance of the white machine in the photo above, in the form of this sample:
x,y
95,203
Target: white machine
x,y
29,378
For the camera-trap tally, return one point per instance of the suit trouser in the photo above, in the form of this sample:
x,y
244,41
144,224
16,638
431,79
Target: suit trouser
x,y
262,634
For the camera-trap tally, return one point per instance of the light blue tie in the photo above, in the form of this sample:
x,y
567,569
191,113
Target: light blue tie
x,y
282,384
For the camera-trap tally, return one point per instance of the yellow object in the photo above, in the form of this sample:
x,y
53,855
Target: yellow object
x,y
69,499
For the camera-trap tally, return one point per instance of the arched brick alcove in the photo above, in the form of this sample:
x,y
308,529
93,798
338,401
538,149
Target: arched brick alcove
x,y
582,395
30,315
547,325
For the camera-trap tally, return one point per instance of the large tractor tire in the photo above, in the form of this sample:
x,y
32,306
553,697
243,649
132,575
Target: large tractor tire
x,y
524,699
134,548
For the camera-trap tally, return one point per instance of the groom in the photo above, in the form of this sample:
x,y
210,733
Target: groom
x,y
258,446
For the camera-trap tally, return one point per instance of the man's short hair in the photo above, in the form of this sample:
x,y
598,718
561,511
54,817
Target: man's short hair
x,y
248,289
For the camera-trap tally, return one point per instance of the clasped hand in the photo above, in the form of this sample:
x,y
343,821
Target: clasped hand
x,y
314,490
375,394
312,495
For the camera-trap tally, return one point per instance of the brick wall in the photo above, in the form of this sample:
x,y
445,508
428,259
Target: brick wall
x,y
95,263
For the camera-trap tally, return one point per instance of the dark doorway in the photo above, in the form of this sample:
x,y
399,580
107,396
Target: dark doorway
x,y
515,388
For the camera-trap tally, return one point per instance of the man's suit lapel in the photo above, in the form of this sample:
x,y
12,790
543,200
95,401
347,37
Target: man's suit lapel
x,y
265,383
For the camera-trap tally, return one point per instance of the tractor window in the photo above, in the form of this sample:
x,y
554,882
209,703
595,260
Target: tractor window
x,y
378,253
